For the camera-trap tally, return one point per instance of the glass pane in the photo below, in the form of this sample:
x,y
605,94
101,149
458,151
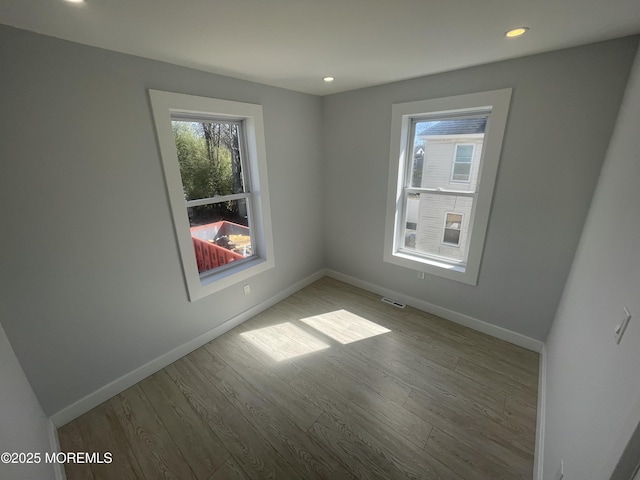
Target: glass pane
x,y
464,153
436,225
440,147
209,158
461,172
454,220
220,234
451,236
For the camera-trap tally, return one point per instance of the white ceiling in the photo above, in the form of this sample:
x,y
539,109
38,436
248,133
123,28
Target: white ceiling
x,y
294,43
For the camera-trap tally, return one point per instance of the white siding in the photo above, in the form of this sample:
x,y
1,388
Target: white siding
x,y
430,225
438,162
432,208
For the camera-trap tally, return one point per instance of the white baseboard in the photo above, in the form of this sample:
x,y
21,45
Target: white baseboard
x,y
538,459
110,390
54,443
459,318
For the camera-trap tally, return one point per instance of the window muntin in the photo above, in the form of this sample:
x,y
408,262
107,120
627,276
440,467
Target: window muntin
x,y
237,130
420,188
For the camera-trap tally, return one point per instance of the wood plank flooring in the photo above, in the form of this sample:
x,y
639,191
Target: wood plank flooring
x,y
330,383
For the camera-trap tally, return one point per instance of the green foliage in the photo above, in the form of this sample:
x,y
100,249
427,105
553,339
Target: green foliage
x,y
205,169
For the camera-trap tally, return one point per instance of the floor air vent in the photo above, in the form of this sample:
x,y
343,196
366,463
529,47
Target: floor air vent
x,y
392,302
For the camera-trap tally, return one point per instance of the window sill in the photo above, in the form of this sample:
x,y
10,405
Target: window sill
x,y
458,273
215,281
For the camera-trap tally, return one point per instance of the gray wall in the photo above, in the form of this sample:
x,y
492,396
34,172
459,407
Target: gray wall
x,y
593,387
23,425
563,109
91,283
91,276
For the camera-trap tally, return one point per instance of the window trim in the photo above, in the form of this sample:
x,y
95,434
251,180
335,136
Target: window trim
x,y
167,106
455,158
401,125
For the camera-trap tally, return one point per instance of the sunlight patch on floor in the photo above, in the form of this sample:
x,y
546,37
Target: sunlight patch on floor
x,y
344,327
284,341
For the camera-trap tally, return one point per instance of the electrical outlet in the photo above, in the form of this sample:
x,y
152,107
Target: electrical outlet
x,y
622,326
247,289
560,472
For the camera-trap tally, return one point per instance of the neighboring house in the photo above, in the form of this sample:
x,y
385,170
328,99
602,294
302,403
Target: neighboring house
x,y
447,158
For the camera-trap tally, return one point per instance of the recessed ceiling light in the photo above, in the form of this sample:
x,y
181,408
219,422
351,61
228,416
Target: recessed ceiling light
x,y
516,32
77,2
328,79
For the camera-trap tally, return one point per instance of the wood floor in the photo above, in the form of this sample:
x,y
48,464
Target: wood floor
x,y
332,384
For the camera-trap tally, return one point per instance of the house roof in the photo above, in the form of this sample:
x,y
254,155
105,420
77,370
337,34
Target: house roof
x,y
455,127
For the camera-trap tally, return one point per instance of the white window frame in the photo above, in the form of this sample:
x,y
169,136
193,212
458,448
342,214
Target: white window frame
x,y
167,106
455,158
444,228
497,101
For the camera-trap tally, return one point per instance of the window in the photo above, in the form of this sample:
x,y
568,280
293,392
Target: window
x,y
461,171
444,161
452,229
217,197
214,162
